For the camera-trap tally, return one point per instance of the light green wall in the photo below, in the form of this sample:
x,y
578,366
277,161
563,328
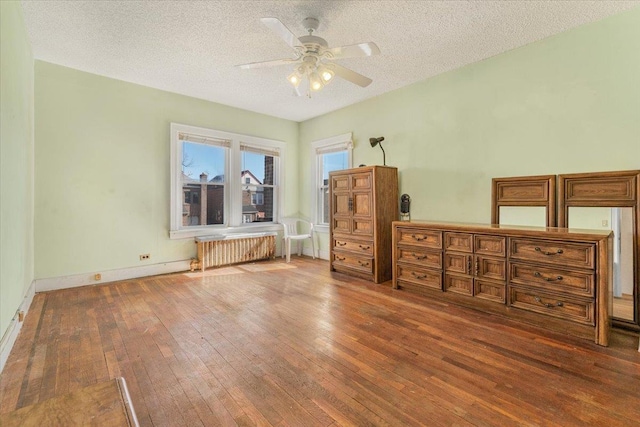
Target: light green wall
x,y
102,168
569,103
16,162
566,104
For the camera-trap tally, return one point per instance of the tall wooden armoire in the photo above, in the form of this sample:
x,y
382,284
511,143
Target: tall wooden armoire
x,y
363,204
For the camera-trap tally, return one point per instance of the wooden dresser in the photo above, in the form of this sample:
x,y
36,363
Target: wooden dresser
x,y
555,278
363,204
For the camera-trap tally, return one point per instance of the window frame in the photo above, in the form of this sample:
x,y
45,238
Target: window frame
x,y
343,142
233,187
255,200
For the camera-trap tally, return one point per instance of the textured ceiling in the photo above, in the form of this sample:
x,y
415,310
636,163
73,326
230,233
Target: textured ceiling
x,y
192,48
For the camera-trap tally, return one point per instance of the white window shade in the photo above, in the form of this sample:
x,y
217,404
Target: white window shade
x,y
266,151
204,140
335,147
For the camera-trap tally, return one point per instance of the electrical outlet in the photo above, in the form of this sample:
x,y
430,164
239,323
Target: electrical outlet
x,y
144,257
98,276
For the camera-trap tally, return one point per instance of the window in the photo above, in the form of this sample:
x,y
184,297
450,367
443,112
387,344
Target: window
x,y
330,162
257,199
202,176
329,155
258,191
204,198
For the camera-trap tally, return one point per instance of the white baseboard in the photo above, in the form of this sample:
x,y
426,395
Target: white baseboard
x,y
84,279
319,254
305,251
11,334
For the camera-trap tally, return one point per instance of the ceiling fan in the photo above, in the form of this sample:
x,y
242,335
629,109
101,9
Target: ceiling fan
x,y
313,57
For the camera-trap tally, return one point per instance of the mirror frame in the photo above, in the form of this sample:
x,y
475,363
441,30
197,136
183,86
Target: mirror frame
x,y
617,189
539,190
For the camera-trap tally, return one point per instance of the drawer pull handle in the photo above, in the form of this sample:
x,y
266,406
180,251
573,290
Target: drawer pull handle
x,y
559,251
363,263
548,279
339,258
342,243
365,248
418,238
548,305
418,276
419,257
477,267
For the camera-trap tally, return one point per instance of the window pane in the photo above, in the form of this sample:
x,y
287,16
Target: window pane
x,y
333,162
202,184
203,204
324,204
257,191
330,162
198,159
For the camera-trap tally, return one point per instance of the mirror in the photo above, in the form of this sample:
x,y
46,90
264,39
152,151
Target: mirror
x,y
589,200
620,220
524,200
523,215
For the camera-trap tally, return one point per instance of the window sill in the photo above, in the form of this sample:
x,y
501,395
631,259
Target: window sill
x,y
223,231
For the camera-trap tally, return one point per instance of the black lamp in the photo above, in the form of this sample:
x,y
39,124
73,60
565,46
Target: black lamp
x,y
378,141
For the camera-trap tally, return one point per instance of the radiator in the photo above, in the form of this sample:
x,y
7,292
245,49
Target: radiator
x,y
233,249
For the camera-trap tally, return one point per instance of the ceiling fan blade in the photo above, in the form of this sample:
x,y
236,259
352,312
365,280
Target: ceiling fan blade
x,y
351,75
354,50
280,29
265,64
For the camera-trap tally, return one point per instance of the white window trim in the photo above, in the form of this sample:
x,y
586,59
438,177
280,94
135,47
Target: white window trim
x,y
338,143
233,166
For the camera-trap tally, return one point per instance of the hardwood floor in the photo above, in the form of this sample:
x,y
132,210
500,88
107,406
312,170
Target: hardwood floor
x,y
282,344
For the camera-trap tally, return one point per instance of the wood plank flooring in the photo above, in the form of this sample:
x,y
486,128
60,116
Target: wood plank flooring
x,y
276,344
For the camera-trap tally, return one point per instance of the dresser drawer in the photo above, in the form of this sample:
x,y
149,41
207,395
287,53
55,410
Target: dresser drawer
x,y
553,279
563,307
418,276
363,247
420,257
424,238
461,242
549,252
457,263
490,245
345,259
490,268
489,290
458,284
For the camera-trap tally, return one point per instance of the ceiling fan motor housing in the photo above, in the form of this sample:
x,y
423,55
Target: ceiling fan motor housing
x,y
313,44
311,24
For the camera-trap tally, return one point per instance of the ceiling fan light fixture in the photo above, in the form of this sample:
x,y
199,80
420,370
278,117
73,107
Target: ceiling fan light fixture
x,y
295,78
315,82
325,73
314,69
